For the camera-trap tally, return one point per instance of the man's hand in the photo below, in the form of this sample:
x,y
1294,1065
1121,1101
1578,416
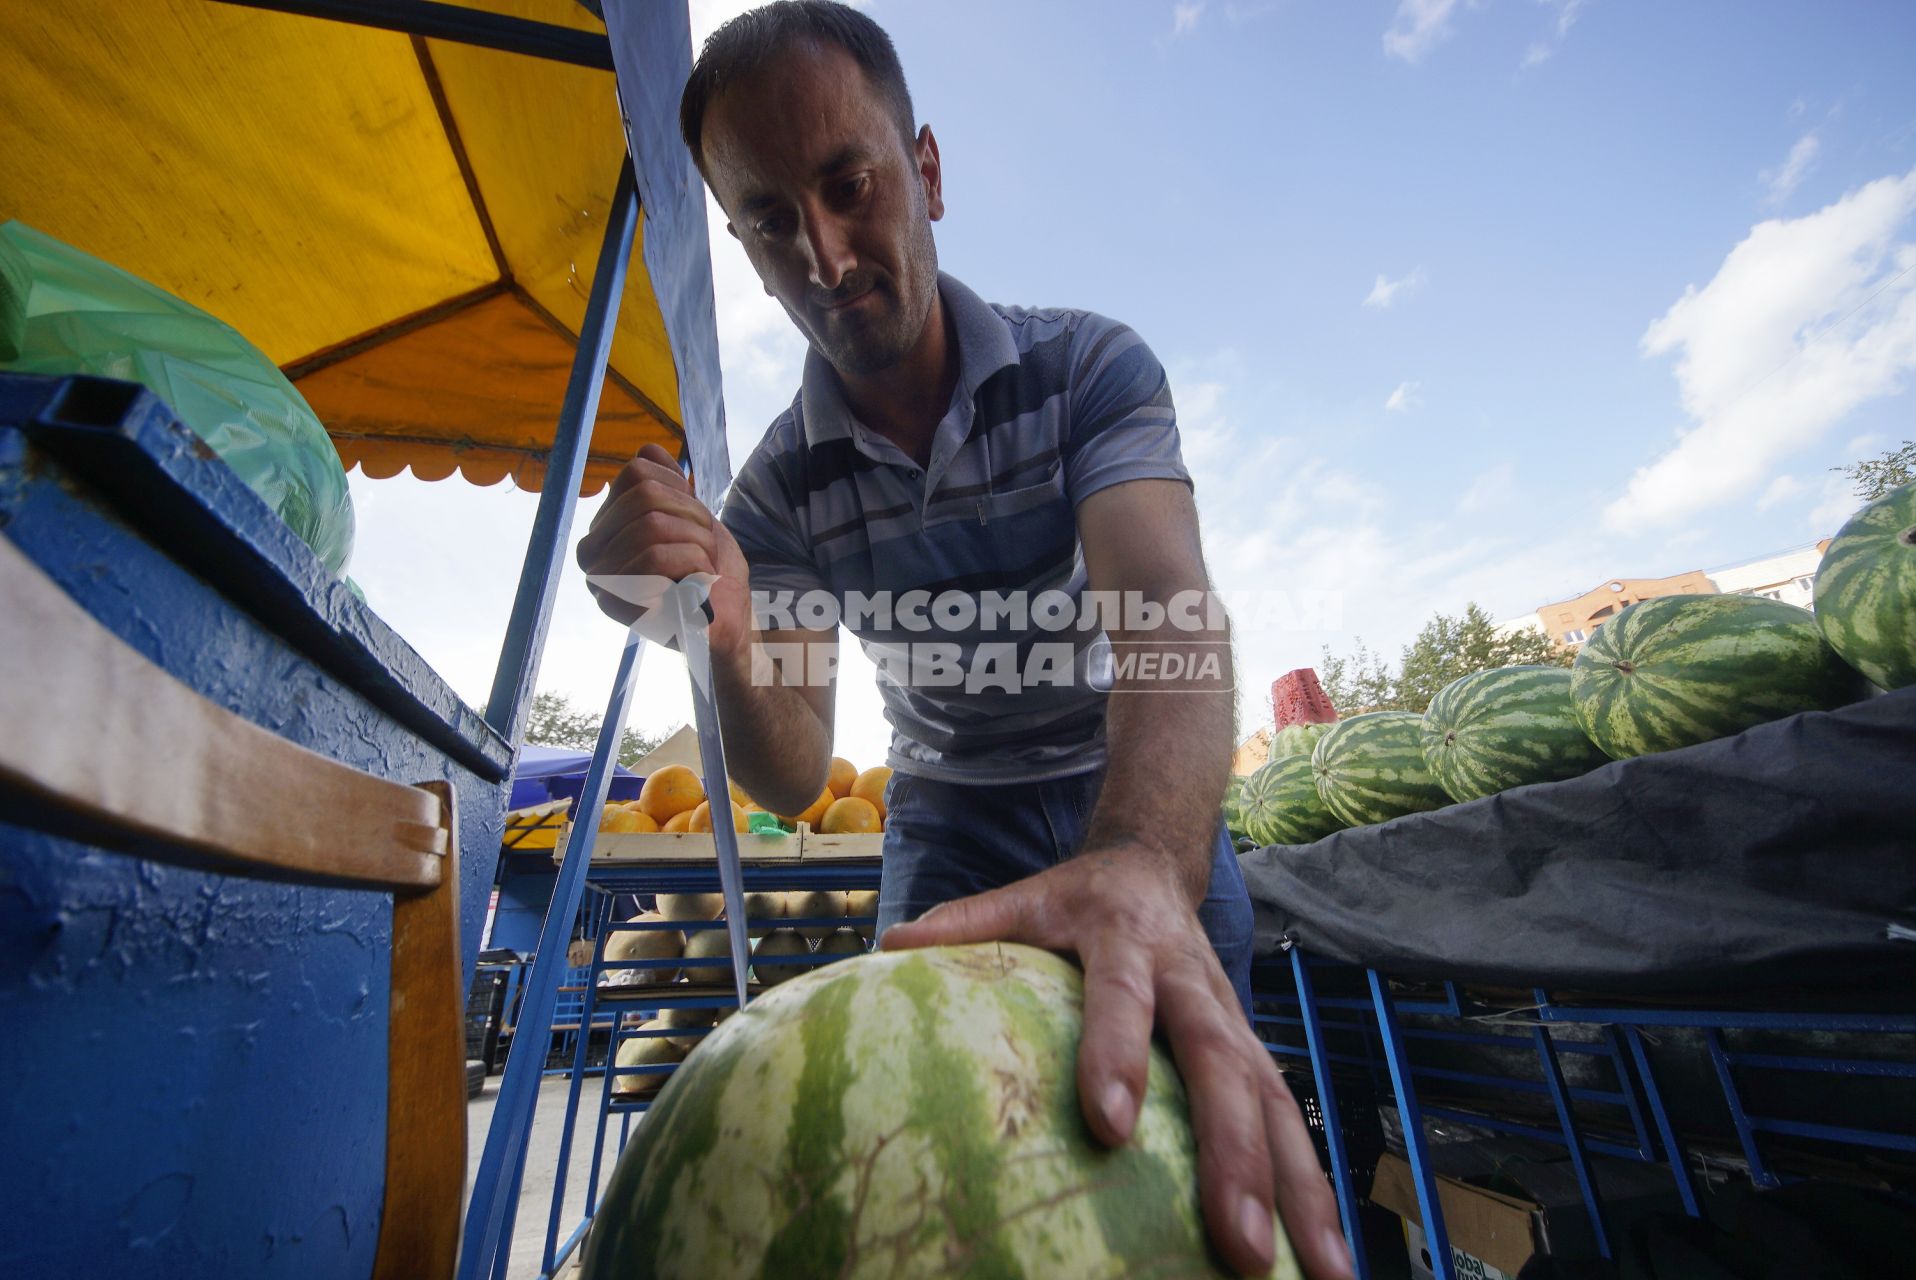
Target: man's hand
x,y
652,524
1146,960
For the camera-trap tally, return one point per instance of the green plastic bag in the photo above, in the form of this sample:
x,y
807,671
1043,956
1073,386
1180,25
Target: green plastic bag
x,y
63,311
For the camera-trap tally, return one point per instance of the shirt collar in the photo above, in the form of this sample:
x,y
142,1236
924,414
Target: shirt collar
x,y
985,346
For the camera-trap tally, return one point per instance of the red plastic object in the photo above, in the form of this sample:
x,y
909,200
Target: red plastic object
x,y
1297,698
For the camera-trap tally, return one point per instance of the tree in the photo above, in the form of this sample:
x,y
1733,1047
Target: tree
x,y
1875,477
552,721
1446,648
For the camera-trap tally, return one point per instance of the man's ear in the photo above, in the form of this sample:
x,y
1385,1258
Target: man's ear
x,y
931,172
731,231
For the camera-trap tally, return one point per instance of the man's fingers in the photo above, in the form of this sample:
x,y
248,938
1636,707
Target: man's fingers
x,y
1235,1178
649,461
997,916
1115,1054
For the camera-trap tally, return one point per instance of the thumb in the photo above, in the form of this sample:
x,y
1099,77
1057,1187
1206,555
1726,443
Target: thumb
x,y
1001,915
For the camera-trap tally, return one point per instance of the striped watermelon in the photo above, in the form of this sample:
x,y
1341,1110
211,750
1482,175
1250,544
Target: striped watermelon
x,y
1370,769
1297,740
1289,809
1866,590
907,1113
1677,670
1510,727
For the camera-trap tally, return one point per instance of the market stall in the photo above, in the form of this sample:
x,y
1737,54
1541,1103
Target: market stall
x,y
423,217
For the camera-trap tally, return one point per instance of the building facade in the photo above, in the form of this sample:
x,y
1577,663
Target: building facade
x,y
1789,576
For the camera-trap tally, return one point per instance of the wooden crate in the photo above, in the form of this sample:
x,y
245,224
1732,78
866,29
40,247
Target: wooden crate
x,y
820,846
618,847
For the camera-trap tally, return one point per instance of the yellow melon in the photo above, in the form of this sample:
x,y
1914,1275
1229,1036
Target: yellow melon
x,y
870,787
702,817
680,821
619,818
816,813
670,791
850,816
843,774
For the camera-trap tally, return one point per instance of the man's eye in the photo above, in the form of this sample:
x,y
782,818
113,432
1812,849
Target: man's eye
x,y
772,228
853,188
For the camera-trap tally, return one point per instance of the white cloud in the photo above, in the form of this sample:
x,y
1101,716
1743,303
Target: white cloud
x,y
1781,489
1185,15
1418,27
1566,17
1836,502
1806,319
1783,180
1385,290
1488,490
1404,398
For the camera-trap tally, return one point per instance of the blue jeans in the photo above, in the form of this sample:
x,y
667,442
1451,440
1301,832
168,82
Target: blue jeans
x,y
944,840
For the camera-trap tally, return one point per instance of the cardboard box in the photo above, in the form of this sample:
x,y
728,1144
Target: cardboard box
x,y
1464,1264
1537,1207
1493,1229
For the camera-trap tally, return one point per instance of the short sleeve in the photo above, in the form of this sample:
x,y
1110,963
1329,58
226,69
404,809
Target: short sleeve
x,y
766,524
1123,426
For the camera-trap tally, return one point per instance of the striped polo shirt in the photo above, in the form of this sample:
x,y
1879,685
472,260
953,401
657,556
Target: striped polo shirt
x,y
1050,407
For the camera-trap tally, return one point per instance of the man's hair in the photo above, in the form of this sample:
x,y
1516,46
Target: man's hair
x,y
751,42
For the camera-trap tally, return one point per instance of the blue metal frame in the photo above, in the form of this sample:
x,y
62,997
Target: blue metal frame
x,y
1423,1176
608,884
1621,1043
565,468
1341,1176
489,1213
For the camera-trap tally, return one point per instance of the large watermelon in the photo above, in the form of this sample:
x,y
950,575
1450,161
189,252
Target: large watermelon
x,y
1510,727
1370,768
1677,670
1289,809
907,1113
1866,590
1297,740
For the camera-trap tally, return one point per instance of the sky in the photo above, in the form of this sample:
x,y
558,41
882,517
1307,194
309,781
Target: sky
x,y
1461,300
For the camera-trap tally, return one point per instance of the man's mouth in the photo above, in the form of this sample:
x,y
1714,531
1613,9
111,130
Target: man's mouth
x,y
839,304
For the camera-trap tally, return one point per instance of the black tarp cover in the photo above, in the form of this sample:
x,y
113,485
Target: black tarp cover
x,y
1782,857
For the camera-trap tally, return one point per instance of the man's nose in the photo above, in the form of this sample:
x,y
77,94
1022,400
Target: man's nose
x,y
830,250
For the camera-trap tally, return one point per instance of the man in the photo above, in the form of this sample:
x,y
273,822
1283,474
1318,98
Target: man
x,y
1008,467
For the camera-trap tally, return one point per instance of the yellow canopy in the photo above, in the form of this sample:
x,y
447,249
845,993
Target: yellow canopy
x,y
408,226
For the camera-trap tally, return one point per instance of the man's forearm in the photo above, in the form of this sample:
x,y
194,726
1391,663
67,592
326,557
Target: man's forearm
x,y
775,744
1169,751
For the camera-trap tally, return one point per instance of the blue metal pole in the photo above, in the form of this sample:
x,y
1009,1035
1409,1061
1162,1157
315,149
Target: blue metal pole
x,y
488,1230
1759,1172
565,469
1327,1104
1579,1160
1679,1160
1412,1114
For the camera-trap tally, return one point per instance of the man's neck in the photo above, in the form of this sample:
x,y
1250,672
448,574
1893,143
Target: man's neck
x,y
906,402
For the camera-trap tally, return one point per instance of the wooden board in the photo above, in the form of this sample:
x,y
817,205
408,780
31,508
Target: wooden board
x,y
820,846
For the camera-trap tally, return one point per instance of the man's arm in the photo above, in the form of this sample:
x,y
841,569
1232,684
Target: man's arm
x,y
777,724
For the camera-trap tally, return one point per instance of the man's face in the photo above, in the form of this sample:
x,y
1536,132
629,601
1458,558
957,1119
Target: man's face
x,y
833,206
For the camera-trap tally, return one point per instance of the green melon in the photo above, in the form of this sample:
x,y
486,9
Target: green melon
x,y
1677,670
909,1113
1290,811
1866,590
1297,740
1370,769
1510,727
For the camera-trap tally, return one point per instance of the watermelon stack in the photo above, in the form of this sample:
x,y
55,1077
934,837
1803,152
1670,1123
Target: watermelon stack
x,y
1866,590
1676,670
1371,768
1297,739
1283,806
1509,727
907,1113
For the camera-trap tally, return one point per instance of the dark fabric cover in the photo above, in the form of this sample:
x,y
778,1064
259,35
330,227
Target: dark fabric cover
x,y
1784,856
